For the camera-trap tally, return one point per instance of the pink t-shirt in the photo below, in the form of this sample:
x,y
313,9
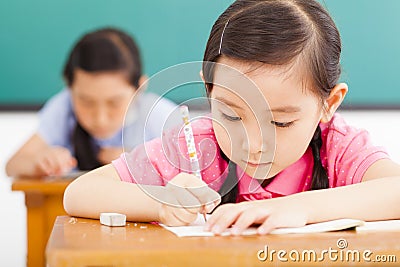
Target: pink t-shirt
x,y
346,154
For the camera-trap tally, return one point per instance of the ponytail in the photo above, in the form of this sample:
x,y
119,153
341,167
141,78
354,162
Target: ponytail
x,y
319,177
85,153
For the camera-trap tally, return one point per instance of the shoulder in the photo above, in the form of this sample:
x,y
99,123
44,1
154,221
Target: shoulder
x,y
160,159
337,125
339,134
56,119
59,102
347,151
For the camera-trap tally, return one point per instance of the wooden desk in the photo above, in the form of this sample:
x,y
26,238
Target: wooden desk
x,y
44,202
85,242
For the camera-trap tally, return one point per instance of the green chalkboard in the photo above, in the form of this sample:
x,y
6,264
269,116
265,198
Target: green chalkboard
x,y
37,35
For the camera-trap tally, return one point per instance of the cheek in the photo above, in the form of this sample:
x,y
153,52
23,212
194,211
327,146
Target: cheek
x,y
117,113
82,112
293,143
223,139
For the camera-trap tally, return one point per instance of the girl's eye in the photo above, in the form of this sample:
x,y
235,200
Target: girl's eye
x,y
282,124
231,118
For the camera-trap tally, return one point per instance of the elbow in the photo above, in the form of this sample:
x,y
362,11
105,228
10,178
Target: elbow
x,y
9,169
70,201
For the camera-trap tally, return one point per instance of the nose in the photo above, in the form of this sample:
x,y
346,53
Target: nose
x,y
255,140
100,117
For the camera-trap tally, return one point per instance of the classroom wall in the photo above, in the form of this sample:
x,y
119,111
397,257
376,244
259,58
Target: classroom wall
x,y
36,36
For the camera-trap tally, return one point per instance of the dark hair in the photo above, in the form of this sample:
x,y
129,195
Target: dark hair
x,y
106,49
279,32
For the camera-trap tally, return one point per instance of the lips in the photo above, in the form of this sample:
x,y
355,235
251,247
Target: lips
x,y
260,164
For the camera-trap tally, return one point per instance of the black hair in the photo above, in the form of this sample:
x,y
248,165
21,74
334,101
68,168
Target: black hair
x,y
106,49
279,32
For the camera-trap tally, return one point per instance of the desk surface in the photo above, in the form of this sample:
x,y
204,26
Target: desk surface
x,y
85,242
51,185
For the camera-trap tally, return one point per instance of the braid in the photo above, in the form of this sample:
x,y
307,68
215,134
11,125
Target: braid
x,y
84,150
229,189
319,178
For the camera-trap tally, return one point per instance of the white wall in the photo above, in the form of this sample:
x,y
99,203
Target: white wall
x,y
17,127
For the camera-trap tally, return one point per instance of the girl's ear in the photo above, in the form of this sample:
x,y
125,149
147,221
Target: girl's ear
x,y
202,76
143,82
333,101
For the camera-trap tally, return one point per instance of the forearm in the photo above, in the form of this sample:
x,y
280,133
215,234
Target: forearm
x,y
95,192
21,166
372,200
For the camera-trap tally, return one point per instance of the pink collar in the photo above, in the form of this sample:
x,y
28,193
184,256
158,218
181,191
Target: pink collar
x,y
294,179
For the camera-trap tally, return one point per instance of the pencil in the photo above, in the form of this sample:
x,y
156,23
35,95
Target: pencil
x,y
188,131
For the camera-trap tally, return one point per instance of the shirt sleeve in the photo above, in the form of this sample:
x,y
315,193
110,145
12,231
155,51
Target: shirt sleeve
x,y
54,120
152,163
350,153
158,161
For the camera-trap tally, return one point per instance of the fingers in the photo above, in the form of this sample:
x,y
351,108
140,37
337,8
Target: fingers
x,y
266,227
192,192
54,161
207,198
172,213
176,216
185,196
182,197
240,216
223,217
249,217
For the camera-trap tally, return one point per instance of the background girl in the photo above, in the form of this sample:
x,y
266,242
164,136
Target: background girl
x,y
81,127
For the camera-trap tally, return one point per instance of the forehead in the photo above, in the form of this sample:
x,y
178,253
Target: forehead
x,y
261,84
100,85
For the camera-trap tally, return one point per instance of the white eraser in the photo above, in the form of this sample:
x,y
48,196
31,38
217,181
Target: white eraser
x,y
112,219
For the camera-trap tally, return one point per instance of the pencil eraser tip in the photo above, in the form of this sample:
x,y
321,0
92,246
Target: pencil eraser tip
x,y
112,219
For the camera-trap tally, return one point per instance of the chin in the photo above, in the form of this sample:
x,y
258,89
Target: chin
x,y
260,174
102,135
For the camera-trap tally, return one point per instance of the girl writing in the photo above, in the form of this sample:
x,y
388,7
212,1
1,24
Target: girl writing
x,y
274,151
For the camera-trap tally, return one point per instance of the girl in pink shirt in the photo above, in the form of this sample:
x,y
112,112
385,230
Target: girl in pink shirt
x,y
272,151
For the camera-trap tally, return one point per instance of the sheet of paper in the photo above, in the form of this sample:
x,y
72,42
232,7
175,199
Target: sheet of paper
x,y
197,228
390,225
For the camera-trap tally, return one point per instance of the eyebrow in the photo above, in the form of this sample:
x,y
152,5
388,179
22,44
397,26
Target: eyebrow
x,y
283,109
286,109
229,103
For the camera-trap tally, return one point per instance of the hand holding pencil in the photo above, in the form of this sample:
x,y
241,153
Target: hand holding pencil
x,y
187,194
188,131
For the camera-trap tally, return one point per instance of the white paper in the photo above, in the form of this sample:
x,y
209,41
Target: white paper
x,y
390,225
197,228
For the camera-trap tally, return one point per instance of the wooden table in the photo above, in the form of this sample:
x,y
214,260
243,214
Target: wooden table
x,y
85,242
44,202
